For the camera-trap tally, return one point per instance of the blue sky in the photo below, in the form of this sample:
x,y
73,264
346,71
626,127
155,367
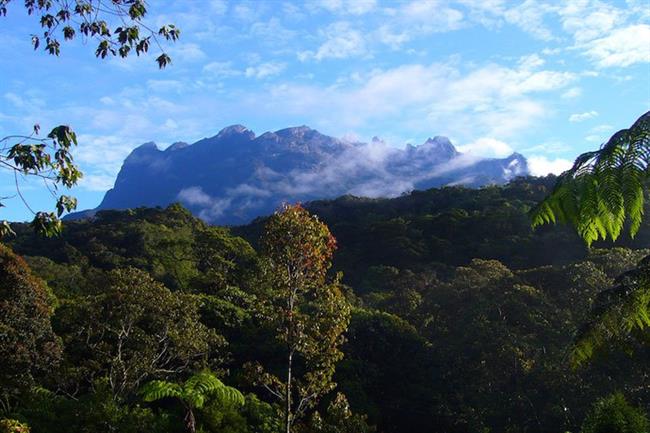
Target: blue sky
x,y
547,79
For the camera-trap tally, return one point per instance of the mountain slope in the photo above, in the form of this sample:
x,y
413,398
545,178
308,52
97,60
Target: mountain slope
x,y
235,176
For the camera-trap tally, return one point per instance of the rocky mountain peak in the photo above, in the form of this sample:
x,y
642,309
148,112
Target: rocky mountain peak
x,y
235,176
234,130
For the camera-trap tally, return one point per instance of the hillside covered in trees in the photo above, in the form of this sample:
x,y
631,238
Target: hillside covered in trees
x,y
452,315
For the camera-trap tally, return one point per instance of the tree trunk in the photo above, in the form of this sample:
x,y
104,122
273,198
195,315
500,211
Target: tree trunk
x,y
190,421
287,395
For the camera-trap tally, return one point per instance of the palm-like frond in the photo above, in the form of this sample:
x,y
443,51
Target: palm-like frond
x,y
617,312
229,395
158,389
205,384
195,391
605,189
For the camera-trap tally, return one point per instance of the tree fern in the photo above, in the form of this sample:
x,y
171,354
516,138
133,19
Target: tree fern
x,y
193,394
604,191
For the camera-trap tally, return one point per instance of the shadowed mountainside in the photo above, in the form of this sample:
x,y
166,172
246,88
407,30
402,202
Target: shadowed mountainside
x,y
235,176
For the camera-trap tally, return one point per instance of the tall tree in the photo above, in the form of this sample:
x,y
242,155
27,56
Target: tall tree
x,y
308,312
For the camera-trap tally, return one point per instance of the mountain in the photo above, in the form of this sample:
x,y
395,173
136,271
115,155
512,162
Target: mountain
x,y
236,176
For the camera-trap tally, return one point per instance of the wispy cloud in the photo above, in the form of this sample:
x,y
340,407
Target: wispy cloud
x,y
581,117
341,40
264,70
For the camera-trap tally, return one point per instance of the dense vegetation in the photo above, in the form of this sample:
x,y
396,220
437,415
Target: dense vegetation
x,y
461,319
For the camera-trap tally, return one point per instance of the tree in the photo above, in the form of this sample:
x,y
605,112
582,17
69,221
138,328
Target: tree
x,y
132,330
193,394
27,344
339,419
605,189
50,158
615,415
308,312
13,426
617,313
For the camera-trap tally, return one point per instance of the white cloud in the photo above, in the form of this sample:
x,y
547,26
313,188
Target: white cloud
x,y
353,7
272,32
220,70
265,69
431,15
572,93
341,41
194,195
97,182
218,7
532,61
581,117
496,101
622,47
186,52
529,16
541,165
391,37
587,20
487,147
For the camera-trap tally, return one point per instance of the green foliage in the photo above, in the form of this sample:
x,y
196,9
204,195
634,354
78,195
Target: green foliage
x,y
193,394
438,229
49,159
96,412
309,313
338,419
194,391
68,19
134,329
254,416
435,339
618,313
28,347
176,248
605,189
13,426
614,414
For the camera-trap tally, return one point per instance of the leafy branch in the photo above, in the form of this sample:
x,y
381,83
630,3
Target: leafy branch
x,y
46,158
61,18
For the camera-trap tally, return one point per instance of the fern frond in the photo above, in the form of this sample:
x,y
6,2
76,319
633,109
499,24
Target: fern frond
x,y
159,389
605,189
204,382
230,395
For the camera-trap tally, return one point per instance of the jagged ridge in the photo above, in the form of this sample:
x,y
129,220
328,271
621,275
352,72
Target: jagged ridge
x,y
235,176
